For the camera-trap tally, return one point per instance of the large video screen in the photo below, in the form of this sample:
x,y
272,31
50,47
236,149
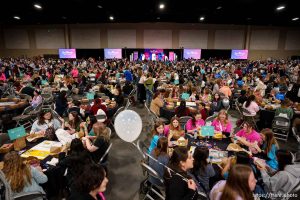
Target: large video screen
x,y
67,53
154,54
239,54
192,53
112,53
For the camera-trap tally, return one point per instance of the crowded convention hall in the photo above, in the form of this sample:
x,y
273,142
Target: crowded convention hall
x,y
109,100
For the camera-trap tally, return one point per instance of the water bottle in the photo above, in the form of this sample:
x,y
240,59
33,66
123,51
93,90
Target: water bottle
x,y
195,134
234,139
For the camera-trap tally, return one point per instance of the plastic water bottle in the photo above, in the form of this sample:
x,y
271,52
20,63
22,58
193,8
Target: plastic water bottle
x,y
195,134
234,139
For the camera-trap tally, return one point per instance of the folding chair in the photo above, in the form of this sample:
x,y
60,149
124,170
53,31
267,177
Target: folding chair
x,y
281,127
247,116
25,119
183,120
104,155
209,120
151,189
29,196
156,118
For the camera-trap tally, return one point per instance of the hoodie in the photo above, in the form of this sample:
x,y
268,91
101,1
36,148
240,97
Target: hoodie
x,y
283,181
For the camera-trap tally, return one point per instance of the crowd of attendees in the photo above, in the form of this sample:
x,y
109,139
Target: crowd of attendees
x,y
205,82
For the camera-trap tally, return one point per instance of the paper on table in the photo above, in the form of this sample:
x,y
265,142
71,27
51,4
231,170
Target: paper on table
x,y
52,162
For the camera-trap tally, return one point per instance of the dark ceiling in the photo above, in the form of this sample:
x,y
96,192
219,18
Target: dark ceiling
x,y
255,12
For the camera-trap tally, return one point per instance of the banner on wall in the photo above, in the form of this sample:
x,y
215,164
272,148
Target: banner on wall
x,y
192,53
112,53
171,56
135,55
239,54
67,53
154,54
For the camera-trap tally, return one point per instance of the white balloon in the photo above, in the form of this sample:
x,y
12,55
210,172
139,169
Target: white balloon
x,y
128,125
225,102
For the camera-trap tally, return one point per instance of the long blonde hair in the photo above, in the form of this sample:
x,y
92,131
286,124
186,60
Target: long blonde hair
x,y
17,173
100,130
223,112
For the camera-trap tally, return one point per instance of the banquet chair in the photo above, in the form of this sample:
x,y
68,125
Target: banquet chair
x,y
109,131
209,120
238,107
47,100
281,127
154,117
29,196
153,191
104,98
183,121
297,136
100,94
104,155
142,148
112,120
247,117
25,119
25,96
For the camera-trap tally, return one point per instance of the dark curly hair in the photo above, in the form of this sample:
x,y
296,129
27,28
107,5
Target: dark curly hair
x,y
90,179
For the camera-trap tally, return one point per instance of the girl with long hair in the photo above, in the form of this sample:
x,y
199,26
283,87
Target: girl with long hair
x,y
239,185
251,106
160,153
173,131
216,104
195,123
286,179
98,144
21,177
157,132
61,104
270,147
202,170
44,121
221,123
179,184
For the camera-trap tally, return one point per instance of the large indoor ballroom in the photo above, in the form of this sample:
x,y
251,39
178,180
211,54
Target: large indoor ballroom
x,y
149,100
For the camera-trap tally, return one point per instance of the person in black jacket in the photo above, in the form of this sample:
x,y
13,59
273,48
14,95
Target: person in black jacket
x,y
61,104
90,184
179,186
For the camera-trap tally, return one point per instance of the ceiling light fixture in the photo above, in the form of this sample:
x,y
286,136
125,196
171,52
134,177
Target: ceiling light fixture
x,y
37,6
280,8
202,18
219,7
161,6
295,19
99,6
111,18
17,17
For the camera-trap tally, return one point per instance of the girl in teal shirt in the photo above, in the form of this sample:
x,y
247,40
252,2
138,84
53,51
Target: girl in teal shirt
x,y
270,147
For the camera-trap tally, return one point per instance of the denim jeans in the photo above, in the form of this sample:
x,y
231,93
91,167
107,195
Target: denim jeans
x,y
149,95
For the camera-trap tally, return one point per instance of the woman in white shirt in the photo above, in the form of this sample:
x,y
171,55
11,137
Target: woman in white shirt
x,y
251,106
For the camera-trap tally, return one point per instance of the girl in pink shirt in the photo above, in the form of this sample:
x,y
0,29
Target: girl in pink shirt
x,y
221,123
2,76
195,123
249,137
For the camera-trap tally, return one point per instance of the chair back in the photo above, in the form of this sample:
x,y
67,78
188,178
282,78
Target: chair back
x,y
27,110
109,131
151,172
142,149
296,134
209,120
246,112
105,154
183,120
104,98
118,111
281,121
29,196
